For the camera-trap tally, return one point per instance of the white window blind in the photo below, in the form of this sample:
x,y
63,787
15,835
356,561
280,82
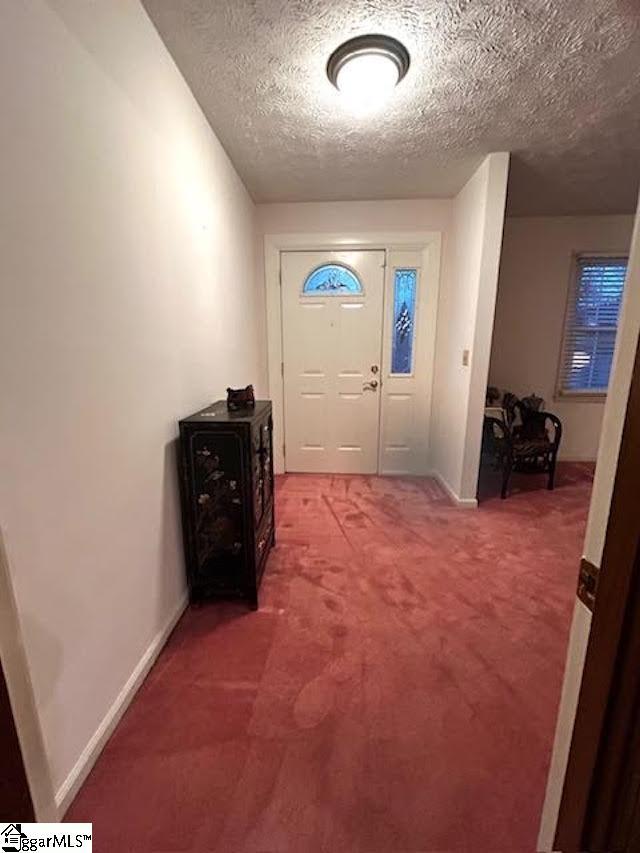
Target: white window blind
x,y
591,325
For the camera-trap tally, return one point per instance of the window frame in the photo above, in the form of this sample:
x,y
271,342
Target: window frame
x,y
587,395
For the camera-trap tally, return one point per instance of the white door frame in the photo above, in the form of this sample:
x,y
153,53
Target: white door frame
x,y
427,242
23,702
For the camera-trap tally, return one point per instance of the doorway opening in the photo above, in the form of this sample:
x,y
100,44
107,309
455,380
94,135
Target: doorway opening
x,y
351,325
559,297
560,308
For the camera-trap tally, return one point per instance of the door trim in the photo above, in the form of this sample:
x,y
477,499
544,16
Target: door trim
x,y
426,242
602,726
23,702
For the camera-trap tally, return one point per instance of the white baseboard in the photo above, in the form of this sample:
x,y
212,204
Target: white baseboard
x,y
71,785
463,503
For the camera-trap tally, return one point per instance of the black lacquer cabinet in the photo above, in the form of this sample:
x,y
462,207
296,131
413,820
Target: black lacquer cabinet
x,y
226,479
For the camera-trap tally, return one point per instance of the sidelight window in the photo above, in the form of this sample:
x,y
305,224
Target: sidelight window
x,y
404,320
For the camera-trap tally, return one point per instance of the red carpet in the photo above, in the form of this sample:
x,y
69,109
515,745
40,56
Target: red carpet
x,y
396,692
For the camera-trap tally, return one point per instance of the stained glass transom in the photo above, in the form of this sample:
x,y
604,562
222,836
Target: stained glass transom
x,y
332,278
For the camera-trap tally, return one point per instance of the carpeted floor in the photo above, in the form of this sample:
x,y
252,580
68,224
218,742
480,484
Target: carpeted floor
x,y
395,693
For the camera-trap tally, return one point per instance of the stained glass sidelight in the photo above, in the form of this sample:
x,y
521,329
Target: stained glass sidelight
x,y
332,278
404,317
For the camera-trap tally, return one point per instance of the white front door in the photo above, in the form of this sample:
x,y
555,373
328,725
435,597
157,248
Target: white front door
x,y
332,304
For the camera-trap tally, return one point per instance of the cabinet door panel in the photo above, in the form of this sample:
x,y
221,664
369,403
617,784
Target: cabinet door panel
x,y
267,460
264,538
217,508
256,474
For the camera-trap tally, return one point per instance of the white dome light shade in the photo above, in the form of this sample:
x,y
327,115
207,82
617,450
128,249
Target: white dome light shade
x,y
366,69
367,81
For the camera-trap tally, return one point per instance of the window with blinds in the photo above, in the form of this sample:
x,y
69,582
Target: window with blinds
x,y
591,324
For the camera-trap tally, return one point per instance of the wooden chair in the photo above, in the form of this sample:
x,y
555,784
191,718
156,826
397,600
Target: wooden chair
x,y
526,441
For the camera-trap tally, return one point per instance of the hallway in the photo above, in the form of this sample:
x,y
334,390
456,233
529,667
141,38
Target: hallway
x,y
395,693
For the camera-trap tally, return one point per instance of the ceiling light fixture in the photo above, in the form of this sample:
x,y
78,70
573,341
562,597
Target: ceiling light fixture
x,y
366,70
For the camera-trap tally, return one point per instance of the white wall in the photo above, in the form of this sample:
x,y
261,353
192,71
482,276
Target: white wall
x,y
465,322
128,298
354,216
612,426
350,217
533,288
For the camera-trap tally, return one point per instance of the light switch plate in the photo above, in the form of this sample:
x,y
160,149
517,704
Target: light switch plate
x,y
465,358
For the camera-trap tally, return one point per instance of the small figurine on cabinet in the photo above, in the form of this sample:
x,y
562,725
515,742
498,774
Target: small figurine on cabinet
x,y
240,398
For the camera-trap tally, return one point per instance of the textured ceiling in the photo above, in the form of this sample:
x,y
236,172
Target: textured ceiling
x,y
556,82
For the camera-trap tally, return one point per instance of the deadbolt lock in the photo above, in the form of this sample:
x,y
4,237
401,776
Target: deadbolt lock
x,y
374,368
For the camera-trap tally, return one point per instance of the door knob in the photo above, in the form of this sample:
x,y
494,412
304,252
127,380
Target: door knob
x,y
370,386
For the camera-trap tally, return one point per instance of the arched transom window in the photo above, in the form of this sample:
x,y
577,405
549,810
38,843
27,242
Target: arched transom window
x,y
331,279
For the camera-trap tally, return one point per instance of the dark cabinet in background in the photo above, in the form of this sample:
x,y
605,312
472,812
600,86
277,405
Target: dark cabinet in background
x,y
226,461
